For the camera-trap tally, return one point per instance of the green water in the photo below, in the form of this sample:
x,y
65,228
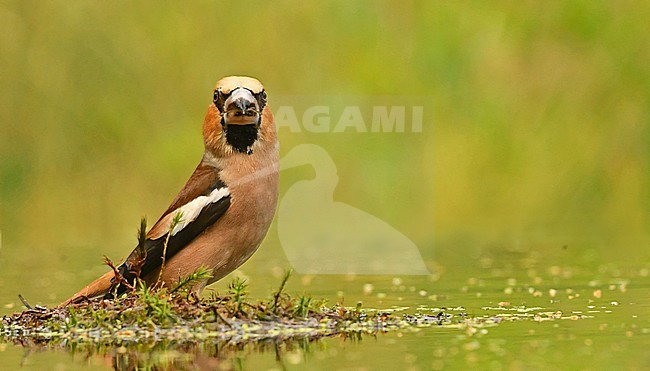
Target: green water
x,y
603,324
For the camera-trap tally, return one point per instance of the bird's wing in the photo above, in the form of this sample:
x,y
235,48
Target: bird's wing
x,y
203,200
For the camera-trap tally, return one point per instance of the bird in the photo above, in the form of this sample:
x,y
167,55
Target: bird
x,y
222,214
320,235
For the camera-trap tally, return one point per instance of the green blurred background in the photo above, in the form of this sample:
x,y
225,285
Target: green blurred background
x,y
536,135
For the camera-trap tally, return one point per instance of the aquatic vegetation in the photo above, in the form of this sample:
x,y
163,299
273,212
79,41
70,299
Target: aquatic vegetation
x,y
152,314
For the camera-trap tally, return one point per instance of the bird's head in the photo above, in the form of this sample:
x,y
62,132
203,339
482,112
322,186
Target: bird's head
x,y
238,118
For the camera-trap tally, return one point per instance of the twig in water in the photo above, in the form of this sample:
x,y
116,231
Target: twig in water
x,y
218,315
118,276
276,295
25,303
178,218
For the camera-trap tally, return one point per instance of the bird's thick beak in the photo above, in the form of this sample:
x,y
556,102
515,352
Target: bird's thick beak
x,y
241,108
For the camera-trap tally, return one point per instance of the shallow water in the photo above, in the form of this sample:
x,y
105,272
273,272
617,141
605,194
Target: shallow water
x,y
593,318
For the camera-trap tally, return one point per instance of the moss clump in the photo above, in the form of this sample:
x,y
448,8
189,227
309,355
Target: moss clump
x,y
161,314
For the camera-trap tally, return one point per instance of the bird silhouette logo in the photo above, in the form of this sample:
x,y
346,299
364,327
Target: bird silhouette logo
x,y
322,236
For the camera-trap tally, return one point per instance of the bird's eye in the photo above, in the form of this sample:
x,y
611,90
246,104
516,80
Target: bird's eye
x,y
219,99
261,99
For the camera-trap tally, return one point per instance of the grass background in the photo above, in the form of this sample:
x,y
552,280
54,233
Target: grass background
x,y
536,135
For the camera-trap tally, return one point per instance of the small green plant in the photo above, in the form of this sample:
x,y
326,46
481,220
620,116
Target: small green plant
x,y
72,320
237,291
303,306
185,283
141,257
156,302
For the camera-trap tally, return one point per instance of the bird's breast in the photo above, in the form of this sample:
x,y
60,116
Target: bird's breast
x,y
229,242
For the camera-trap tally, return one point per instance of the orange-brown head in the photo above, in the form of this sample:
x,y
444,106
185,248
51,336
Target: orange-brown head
x,y
238,119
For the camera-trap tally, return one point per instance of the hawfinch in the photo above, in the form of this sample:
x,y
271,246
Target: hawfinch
x,y
224,210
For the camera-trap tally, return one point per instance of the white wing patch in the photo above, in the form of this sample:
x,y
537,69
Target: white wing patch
x,y
191,210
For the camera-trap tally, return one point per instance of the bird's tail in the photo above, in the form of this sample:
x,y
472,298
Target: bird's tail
x,y
98,287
